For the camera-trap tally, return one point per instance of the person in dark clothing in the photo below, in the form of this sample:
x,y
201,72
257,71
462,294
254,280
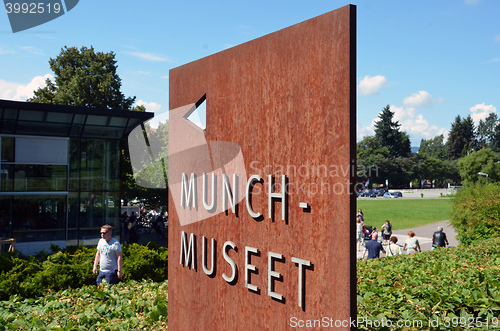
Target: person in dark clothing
x,y
373,247
157,222
439,238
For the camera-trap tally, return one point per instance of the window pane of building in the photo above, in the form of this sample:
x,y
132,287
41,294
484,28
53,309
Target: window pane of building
x,y
7,147
5,208
34,177
41,151
39,218
99,165
6,177
74,164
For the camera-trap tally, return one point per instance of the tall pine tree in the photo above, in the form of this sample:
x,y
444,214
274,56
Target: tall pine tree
x,y
486,131
388,135
462,138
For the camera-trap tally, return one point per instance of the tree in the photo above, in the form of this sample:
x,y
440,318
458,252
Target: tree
x,y
484,160
431,168
152,176
369,146
84,78
388,135
88,78
486,131
433,147
462,138
469,134
455,143
375,163
495,143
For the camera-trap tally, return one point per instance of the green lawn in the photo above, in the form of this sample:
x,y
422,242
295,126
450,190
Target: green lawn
x,y
405,213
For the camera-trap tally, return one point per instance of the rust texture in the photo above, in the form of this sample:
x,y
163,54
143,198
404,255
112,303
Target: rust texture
x,y
288,100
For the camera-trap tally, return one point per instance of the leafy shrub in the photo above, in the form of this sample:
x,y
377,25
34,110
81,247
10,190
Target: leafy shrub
x,y
476,212
129,305
444,283
71,267
142,262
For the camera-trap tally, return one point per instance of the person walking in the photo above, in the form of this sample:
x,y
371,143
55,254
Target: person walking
x,y
439,238
373,247
411,245
386,231
109,257
393,249
359,233
360,214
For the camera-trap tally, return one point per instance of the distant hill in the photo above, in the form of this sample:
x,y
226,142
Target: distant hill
x,y
414,150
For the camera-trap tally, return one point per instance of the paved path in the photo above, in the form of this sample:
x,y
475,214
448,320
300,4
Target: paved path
x,y
424,236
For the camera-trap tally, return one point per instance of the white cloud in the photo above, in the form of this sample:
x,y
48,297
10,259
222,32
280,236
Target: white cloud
x,y
32,50
493,60
14,91
497,38
415,124
481,111
7,89
371,85
160,116
165,77
421,99
364,131
149,57
150,106
6,51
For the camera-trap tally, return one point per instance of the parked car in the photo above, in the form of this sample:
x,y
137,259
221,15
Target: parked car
x,y
391,195
381,192
371,194
399,194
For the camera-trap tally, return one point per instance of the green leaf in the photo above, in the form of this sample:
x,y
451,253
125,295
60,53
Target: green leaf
x,y
154,316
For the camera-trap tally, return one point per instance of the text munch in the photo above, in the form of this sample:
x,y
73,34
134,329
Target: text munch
x,y
229,193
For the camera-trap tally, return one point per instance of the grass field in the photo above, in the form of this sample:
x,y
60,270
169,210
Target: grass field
x,y
405,213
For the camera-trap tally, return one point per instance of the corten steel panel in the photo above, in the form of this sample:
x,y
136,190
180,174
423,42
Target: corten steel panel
x,y
288,100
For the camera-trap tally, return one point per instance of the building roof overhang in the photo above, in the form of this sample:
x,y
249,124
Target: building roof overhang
x,y
27,118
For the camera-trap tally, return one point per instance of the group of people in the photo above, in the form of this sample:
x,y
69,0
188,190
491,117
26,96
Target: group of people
x,y
390,246
130,233
131,225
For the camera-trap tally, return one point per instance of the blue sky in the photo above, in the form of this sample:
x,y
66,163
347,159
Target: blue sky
x,y
429,60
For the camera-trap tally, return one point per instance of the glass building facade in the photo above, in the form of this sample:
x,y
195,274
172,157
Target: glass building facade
x,y
60,172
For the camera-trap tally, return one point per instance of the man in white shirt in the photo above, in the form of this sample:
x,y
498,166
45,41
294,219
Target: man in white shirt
x,y
109,257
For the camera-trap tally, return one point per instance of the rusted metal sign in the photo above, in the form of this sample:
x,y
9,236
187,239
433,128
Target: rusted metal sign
x,y
261,203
